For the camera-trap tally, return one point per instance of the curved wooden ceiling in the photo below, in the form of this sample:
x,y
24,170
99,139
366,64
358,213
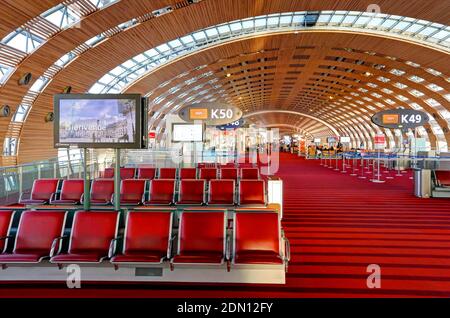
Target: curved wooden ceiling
x,y
313,86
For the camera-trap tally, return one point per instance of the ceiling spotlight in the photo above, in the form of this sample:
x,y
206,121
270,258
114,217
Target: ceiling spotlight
x,y
228,75
368,74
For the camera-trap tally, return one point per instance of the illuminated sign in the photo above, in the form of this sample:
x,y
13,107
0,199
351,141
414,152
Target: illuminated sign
x,y
198,113
345,140
214,114
390,119
400,118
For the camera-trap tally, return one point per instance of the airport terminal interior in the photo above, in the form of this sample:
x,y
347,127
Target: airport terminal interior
x,y
225,148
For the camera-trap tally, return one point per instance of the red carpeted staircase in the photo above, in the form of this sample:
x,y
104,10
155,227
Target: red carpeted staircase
x,y
337,226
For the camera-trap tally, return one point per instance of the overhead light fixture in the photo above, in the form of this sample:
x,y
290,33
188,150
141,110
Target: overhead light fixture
x,y
228,74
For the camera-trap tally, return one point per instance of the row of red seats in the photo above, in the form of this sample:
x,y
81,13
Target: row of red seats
x,y
160,192
148,238
184,173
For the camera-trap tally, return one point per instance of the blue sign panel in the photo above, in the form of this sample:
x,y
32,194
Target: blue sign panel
x,y
233,125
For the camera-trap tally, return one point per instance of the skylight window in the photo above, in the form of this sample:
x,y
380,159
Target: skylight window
x,y
416,93
389,101
432,102
434,87
416,79
376,95
433,71
383,79
400,85
412,64
397,72
415,106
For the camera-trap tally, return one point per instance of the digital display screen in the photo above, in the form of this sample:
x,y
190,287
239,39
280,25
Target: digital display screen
x,y
331,140
390,119
187,132
317,140
345,140
97,121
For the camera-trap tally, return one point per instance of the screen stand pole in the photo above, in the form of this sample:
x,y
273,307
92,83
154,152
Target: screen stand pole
x,y
87,197
117,181
194,152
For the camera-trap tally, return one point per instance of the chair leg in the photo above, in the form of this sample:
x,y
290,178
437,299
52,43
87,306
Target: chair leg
x,y
4,266
60,266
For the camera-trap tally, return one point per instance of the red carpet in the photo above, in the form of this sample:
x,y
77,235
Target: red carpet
x,y
337,226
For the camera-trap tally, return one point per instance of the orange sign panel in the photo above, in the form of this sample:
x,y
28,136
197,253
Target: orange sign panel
x,y
390,119
198,113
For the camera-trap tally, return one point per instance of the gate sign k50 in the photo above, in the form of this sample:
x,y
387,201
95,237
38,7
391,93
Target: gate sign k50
x,y
211,113
400,118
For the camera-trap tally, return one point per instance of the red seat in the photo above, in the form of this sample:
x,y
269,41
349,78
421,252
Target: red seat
x,y
201,238
125,173
229,173
443,178
101,191
192,192
249,173
71,192
162,192
41,191
147,238
221,192
252,192
6,218
228,165
188,173
208,173
206,165
91,237
257,238
132,191
35,236
167,173
146,173
108,173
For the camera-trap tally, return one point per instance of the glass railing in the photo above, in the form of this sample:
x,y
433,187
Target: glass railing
x,y
17,179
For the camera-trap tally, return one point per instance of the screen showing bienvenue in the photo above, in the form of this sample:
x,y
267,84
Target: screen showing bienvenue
x,y
97,121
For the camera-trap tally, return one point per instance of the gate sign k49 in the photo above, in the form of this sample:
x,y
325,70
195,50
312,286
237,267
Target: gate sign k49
x,y
211,113
400,118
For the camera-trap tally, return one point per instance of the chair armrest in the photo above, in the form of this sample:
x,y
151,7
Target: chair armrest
x,y
112,198
24,192
287,247
171,240
52,197
228,249
112,249
82,198
55,243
